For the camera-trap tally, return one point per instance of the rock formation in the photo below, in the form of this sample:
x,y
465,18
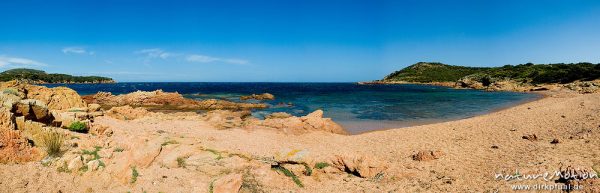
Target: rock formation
x,y
286,123
584,87
263,96
165,100
297,125
29,110
427,155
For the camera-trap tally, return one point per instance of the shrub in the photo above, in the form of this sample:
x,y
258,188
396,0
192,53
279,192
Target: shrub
x,y
93,152
181,162
134,175
52,141
321,165
78,126
10,91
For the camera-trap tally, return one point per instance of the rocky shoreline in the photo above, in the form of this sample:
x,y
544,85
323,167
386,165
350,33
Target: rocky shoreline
x,y
505,85
124,148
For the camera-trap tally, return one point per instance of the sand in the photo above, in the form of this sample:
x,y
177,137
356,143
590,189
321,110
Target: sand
x,y
474,150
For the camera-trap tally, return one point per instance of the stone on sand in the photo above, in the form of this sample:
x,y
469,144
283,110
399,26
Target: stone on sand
x,y
228,184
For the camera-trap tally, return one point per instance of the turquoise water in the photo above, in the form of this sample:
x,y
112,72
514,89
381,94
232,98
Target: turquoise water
x,y
359,108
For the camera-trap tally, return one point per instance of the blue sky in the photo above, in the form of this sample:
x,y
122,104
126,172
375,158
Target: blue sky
x,y
289,41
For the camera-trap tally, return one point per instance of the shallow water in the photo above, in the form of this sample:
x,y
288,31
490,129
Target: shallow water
x,y
359,108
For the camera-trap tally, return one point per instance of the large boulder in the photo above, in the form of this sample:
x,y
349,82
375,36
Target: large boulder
x,y
9,100
7,119
263,96
228,184
315,121
143,154
363,166
58,98
33,109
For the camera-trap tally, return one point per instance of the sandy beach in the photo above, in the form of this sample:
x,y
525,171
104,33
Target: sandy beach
x,y
182,153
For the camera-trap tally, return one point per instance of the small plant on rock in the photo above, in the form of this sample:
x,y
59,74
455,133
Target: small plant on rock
x,y
290,174
52,141
78,126
134,175
181,162
92,153
63,168
321,165
169,142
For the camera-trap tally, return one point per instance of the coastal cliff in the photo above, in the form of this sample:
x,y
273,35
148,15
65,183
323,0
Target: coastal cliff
x,y
581,77
32,76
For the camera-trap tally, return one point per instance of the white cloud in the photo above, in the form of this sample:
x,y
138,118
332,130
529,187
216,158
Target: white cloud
x,y
77,50
155,53
209,59
160,53
201,58
6,61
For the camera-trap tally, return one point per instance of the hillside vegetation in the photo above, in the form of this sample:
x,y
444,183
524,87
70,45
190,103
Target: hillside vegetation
x,y
38,76
424,72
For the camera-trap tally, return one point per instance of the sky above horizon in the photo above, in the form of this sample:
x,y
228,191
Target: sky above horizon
x,y
289,41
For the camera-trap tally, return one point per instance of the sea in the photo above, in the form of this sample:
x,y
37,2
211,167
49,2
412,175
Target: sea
x,y
358,108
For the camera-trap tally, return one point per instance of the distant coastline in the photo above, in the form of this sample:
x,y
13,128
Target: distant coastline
x,y
32,76
582,77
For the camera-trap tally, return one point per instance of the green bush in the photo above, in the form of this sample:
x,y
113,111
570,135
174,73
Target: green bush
x,y
78,126
321,165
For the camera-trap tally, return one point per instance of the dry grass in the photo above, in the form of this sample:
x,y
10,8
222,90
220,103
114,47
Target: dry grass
x,y
52,141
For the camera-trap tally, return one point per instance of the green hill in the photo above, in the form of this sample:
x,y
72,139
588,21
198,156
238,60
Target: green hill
x,y
38,76
424,72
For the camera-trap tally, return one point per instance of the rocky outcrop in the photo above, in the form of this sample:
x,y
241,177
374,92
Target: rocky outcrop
x,y
13,145
297,125
127,112
222,104
224,119
33,109
58,98
284,122
228,184
28,111
263,96
362,166
486,82
584,87
165,100
278,115
58,106
427,155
